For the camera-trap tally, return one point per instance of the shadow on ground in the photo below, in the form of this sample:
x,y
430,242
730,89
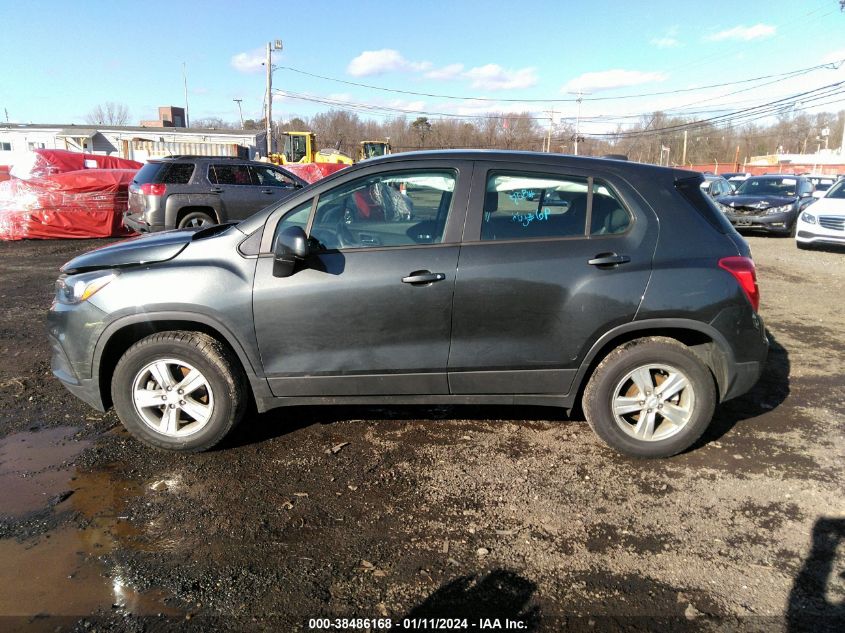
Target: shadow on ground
x,y
810,606
499,594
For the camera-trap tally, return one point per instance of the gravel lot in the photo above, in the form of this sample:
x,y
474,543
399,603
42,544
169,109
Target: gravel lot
x,y
462,512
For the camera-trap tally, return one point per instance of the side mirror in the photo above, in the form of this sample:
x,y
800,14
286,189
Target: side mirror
x,y
291,245
806,194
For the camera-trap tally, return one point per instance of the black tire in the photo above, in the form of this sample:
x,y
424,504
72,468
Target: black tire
x,y
599,397
224,391
195,219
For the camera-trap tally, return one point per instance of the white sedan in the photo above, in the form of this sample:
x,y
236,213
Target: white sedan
x,y
823,222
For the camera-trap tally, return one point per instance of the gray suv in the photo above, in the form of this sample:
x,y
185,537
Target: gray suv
x,y
192,191
507,278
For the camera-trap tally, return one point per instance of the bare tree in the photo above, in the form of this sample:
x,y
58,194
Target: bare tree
x,y
215,123
108,113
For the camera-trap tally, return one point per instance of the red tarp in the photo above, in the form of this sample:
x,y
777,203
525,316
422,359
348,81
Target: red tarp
x,y
75,204
311,172
47,162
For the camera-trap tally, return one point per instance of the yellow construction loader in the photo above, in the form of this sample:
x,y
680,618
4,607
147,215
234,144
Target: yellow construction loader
x,y
301,147
372,149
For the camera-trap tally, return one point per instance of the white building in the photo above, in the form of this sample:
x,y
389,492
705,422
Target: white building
x,y
136,143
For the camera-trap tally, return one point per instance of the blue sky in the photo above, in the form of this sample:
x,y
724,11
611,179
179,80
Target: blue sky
x,y
60,59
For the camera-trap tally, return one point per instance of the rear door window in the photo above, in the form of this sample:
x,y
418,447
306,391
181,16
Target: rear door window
x,y
222,174
533,206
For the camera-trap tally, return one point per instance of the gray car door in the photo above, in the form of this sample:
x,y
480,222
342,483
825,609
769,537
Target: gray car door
x,y
551,258
273,186
369,312
233,183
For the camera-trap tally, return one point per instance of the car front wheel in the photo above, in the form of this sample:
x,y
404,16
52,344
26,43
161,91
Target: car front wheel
x,y
651,397
180,391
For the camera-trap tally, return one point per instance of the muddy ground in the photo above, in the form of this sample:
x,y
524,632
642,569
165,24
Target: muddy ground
x,y
461,512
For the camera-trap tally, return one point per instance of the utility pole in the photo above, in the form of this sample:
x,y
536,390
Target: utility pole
x,y
841,147
580,98
684,153
548,147
240,111
271,46
578,120
185,80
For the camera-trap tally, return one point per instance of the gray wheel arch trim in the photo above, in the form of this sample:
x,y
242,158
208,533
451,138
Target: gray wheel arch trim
x,y
178,201
722,373
249,359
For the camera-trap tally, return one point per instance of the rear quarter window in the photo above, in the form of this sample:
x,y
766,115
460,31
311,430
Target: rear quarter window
x,y
690,188
166,173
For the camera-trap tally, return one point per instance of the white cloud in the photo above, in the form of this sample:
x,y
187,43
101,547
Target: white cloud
x,y
609,79
382,61
834,56
251,62
494,77
743,33
450,71
665,42
669,39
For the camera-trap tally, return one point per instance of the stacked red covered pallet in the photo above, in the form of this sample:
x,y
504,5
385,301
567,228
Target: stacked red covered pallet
x,y
63,199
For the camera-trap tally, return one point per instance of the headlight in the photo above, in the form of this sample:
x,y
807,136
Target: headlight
x,y
809,218
78,288
784,209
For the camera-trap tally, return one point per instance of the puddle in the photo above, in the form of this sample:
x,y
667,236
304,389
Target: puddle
x,y
66,572
62,579
32,475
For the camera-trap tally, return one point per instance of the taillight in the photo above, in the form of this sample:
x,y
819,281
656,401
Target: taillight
x,y
153,189
744,271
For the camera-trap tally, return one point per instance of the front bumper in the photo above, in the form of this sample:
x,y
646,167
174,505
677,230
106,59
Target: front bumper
x,y
780,223
814,234
72,331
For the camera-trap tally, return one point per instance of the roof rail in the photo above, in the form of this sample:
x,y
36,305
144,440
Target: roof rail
x,y
202,156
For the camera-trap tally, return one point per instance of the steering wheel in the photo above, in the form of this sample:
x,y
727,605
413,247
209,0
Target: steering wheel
x,y
334,221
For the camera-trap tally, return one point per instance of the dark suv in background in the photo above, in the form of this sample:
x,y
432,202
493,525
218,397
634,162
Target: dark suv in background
x,y
192,191
463,277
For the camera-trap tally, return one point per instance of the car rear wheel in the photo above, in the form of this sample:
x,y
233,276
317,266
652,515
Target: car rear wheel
x,y
652,397
180,391
196,219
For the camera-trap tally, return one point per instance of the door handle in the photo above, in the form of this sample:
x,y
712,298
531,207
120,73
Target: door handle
x,y
423,277
217,190
266,191
608,259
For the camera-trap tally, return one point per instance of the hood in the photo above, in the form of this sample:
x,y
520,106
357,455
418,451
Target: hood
x,y
147,249
756,202
828,206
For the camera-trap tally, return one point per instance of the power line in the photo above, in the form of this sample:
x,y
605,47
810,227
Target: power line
x,y
790,74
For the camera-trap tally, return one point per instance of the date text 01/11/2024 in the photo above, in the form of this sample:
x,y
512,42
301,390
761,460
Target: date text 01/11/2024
x,y
417,624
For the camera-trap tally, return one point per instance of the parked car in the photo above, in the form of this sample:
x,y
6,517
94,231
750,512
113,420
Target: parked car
x,y
821,184
824,222
738,179
716,186
613,284
768,203
739,175
195,191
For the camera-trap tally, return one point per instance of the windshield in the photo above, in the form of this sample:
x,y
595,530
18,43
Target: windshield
x,y
373,150
837,191
768,187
